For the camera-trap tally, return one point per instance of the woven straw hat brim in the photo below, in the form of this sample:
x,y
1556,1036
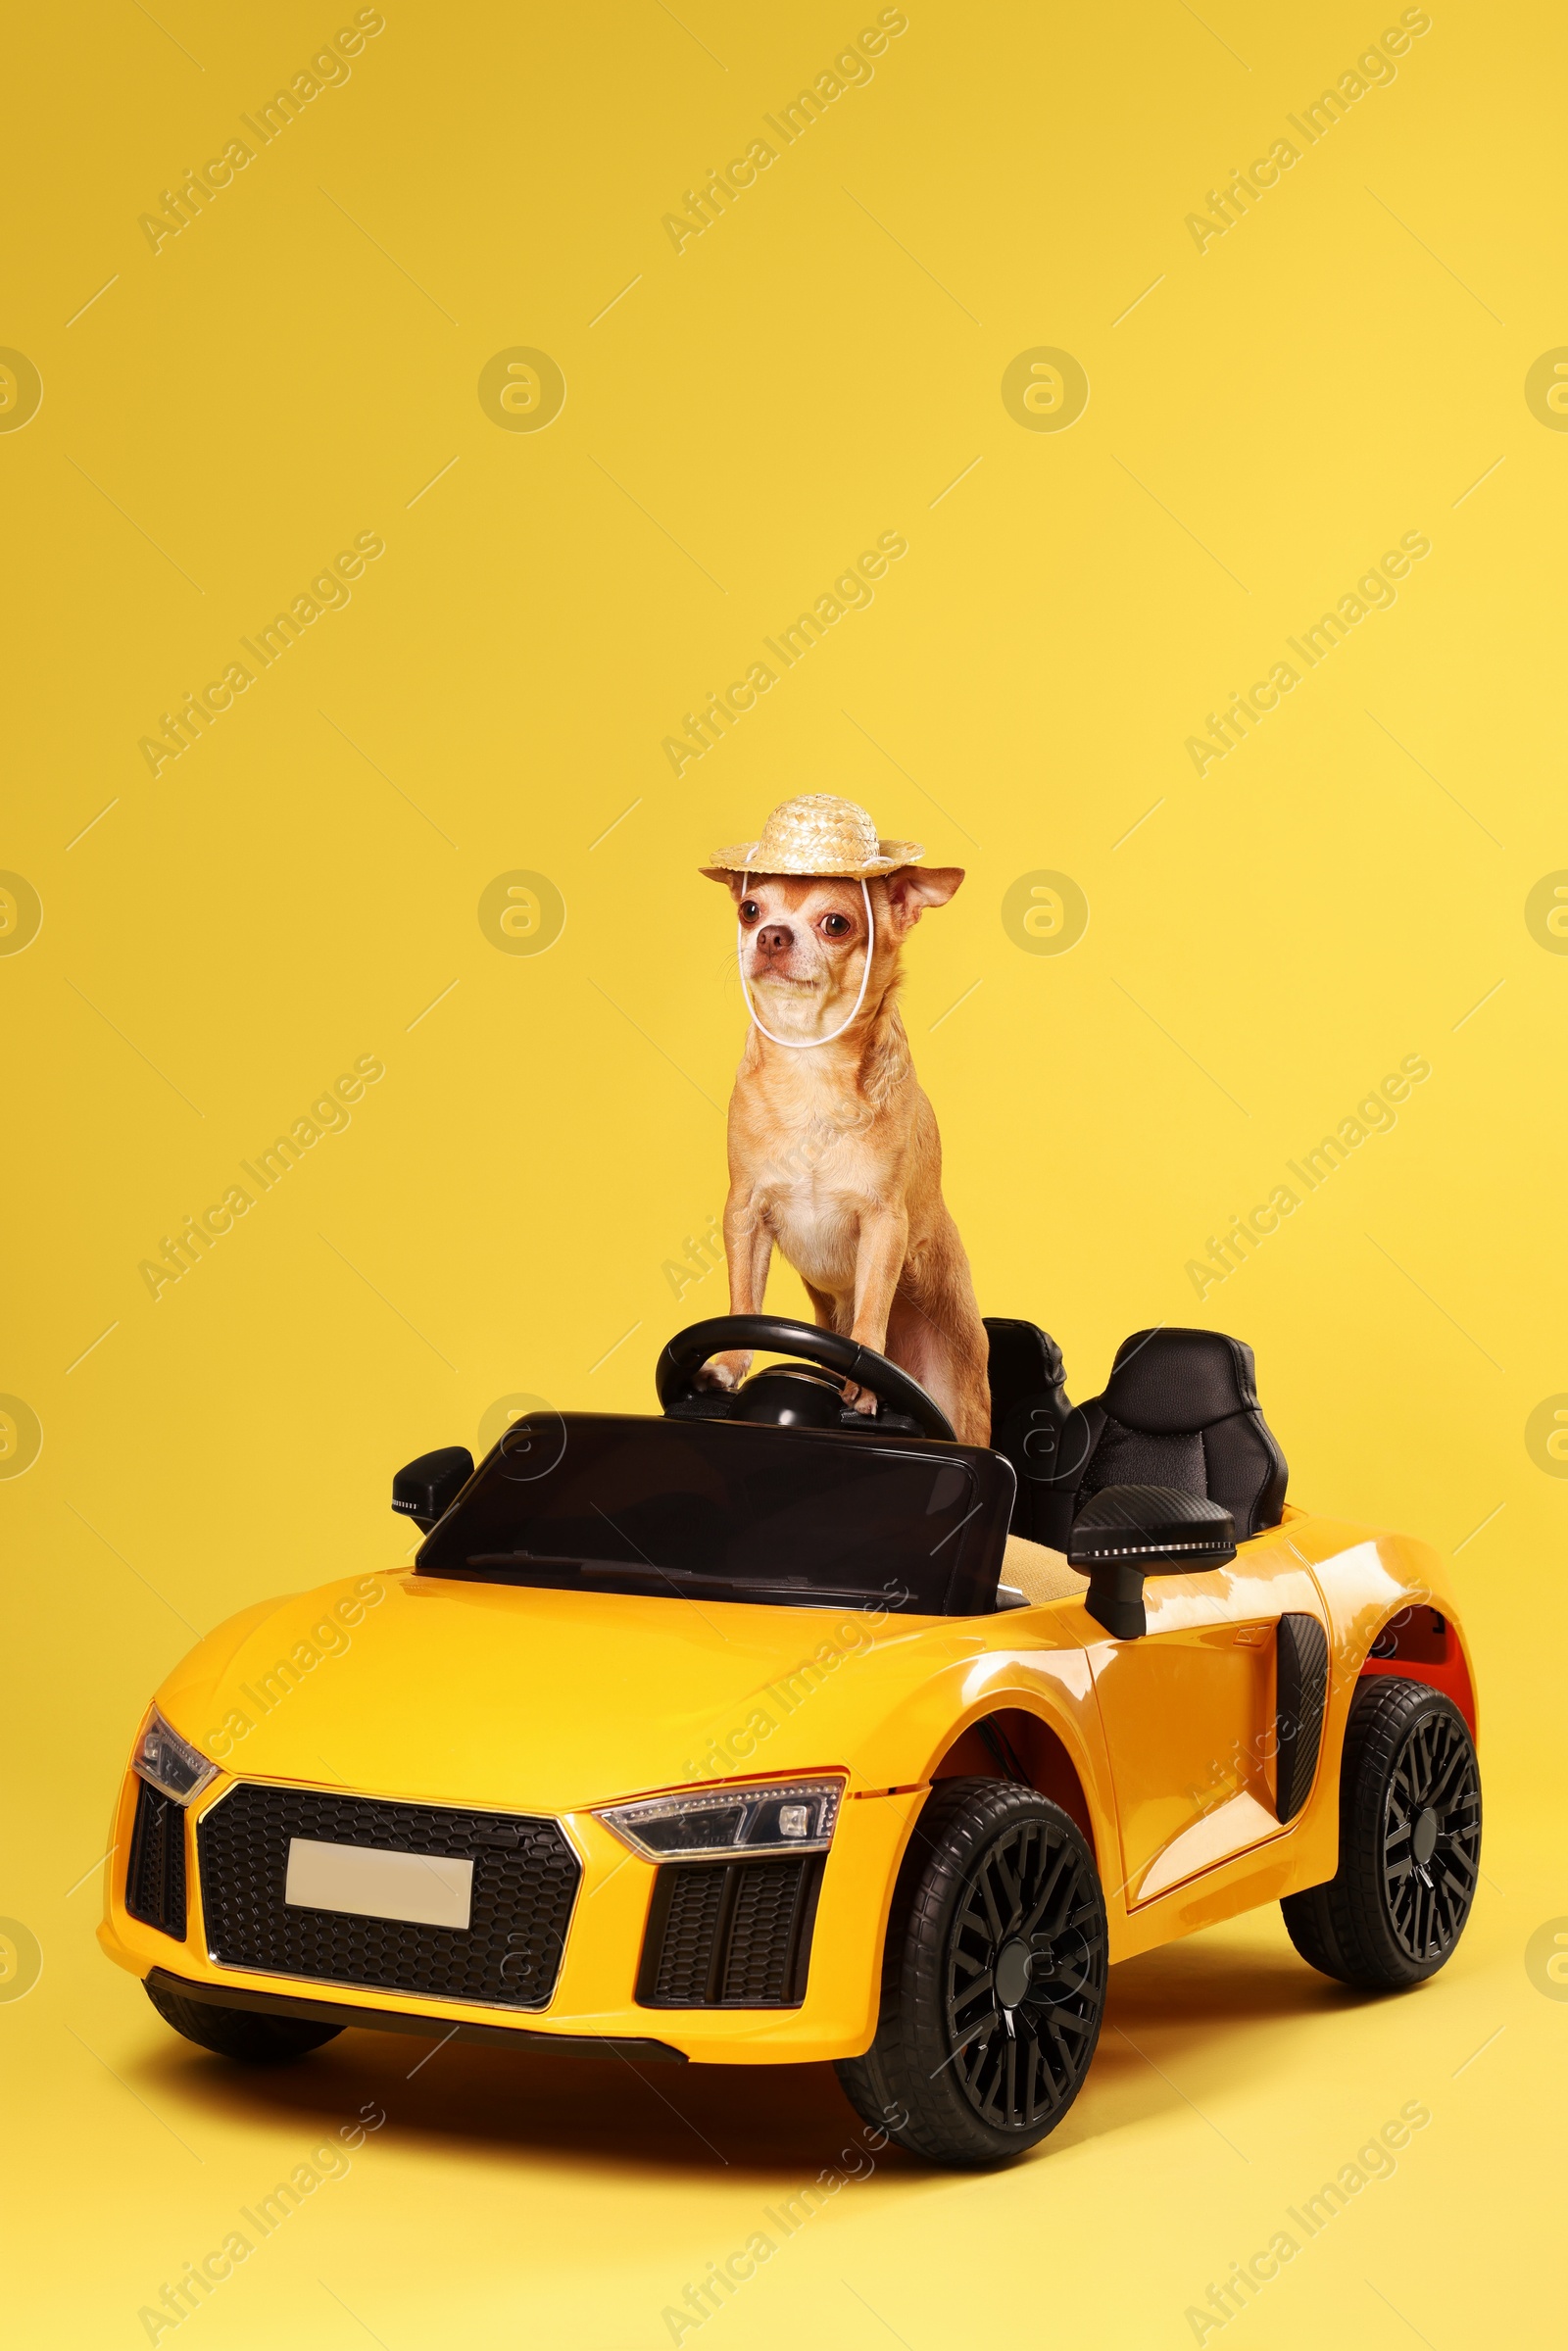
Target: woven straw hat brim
x,y
820,834
741,859
755,857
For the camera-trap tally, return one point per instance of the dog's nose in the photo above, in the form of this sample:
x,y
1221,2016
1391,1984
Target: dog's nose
x,y
776,940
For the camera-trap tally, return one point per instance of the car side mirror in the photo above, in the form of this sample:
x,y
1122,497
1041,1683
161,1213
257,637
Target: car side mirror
x,y
425,1489
1125,1532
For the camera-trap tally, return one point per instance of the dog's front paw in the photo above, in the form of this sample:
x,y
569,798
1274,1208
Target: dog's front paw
x,y
725,1372
859,1400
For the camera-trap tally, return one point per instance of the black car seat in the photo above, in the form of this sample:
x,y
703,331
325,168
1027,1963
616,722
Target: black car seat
x,y
1029,1411
1180,1409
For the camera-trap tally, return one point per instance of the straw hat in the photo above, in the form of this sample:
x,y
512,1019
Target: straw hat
x,y
816,834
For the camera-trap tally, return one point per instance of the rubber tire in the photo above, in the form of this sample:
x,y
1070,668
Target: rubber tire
x,y
906,2070
239,2032
1342,1928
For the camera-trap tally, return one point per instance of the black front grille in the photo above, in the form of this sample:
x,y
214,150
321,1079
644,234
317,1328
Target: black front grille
x,y
155,1875
525,1878
731,1935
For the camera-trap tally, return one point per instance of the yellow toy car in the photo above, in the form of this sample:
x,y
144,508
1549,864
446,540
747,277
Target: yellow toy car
x,y
760,1731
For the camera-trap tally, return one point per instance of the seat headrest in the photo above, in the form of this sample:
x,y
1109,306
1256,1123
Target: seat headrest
x,y
1023,1357
1169,1381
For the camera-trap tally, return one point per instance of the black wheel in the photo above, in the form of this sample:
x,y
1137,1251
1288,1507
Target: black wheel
x,y
993,1981
1409,1842
239,2032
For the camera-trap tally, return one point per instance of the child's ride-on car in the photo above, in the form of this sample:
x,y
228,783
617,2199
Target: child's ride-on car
x,y
762,1731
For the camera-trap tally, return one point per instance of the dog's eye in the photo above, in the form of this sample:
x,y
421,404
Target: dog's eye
x,y
836,927
749,909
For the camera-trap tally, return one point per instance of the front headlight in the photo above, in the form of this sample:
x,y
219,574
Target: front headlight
x,y
721,1821
169,1763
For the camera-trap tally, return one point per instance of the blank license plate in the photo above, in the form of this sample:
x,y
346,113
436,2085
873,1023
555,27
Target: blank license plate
x,y
428,1890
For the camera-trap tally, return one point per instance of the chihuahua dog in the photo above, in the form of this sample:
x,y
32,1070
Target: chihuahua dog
x,y
834,1156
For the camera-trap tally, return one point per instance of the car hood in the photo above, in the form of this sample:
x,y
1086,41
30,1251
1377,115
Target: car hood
x,y
444,1691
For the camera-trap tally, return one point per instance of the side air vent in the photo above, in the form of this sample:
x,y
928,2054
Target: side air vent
x,y
1302,1683
155,1876
731,1935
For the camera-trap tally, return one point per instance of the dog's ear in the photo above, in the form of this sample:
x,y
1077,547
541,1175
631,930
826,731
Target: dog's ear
x,y
718,873
913,888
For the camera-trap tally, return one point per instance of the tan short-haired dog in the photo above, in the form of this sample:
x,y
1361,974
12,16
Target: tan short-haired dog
x,y
834,1156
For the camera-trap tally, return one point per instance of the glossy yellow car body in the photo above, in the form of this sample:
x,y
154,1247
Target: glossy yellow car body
x,y
555,1703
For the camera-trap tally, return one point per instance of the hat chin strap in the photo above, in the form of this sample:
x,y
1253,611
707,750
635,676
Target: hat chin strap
x,y
797,1045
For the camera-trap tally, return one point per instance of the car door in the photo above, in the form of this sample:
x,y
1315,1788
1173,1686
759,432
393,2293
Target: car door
x,y
1189,1715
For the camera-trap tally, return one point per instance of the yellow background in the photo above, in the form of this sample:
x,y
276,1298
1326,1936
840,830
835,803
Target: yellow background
x,y
298,888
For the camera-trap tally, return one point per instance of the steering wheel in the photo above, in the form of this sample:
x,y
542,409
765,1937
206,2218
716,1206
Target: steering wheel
x,y
675,1375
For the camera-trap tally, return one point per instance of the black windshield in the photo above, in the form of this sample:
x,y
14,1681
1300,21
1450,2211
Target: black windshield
x,y
726,1510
